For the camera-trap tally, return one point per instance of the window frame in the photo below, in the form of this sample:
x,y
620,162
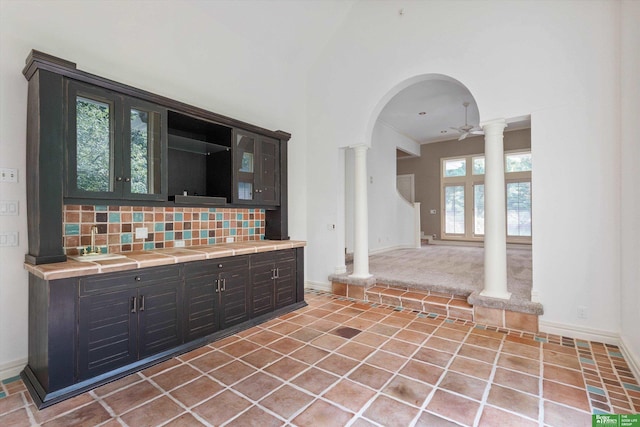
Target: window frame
x,y
470,180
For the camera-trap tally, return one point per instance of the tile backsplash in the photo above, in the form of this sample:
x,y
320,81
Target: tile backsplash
x,y
165,225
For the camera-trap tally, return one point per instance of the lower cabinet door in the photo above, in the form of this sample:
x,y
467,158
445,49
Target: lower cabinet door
x,y
285,283
107,332
262,299
234,297
201,305
159,318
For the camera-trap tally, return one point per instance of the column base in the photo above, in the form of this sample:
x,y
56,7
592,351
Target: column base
x,y
341,269
494,294
360,276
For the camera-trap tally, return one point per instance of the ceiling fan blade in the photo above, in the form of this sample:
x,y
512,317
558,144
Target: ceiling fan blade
x,y
463,136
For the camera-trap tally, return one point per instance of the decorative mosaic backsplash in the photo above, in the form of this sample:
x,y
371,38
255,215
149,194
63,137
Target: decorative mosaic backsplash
x,y
195,226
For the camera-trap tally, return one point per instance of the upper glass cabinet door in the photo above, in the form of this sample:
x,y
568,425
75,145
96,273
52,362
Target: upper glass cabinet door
x,y
245,151
91,142
114,147
143,160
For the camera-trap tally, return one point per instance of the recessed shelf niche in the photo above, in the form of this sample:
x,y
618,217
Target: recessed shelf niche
x,y
199,160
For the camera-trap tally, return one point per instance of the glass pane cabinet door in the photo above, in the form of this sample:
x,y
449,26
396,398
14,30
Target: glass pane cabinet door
x,y
144,154
94,136
245,162
92,139
114,146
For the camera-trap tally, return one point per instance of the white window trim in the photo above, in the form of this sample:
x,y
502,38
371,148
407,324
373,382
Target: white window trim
x,y
469,180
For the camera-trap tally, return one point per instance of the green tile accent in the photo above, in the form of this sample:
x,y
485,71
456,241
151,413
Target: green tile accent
x,y
11,380
72,229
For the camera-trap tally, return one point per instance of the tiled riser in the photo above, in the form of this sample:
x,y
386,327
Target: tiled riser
x,y
453,306
195,226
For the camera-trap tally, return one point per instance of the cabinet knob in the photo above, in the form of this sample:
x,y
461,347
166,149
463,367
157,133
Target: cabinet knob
x,y
127,179
118,178
138,278
219,265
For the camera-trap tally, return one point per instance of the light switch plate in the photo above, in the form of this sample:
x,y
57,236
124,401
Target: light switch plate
x,y
8,238
8,207
8,175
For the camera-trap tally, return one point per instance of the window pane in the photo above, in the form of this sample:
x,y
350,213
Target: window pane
x,y
139,152
478,165
478,209
245,191
455,167
93,144
518,162
519,209
454,209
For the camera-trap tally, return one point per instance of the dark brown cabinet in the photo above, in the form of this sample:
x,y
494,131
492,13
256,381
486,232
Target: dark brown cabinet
x,y
273,281
84,332
216,295
257,169
115,146
121,327
91,140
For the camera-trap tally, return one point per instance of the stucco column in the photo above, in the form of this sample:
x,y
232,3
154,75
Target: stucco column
x,y
361,215
495,225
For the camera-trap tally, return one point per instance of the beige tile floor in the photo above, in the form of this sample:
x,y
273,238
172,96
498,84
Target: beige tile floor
x,y
342,362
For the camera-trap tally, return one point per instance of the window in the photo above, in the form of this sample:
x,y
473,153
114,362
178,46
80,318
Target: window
x,y
455,167
463,196
519,208
478,210
454,209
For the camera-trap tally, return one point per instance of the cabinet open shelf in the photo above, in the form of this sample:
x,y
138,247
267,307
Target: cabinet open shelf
x,y
199,160
195,146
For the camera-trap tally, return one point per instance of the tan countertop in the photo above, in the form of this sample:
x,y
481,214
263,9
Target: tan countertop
x,y
142,259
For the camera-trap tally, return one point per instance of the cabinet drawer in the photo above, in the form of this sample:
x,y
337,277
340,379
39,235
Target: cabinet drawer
x,y
118,281
214,266
274,256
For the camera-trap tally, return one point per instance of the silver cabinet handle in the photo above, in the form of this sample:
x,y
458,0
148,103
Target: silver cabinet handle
x,y
134,304
217,285
141,302
224,284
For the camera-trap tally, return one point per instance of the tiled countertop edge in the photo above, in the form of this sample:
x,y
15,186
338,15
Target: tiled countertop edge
x,y
143,259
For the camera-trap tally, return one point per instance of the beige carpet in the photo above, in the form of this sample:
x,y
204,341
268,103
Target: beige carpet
x,y
455,269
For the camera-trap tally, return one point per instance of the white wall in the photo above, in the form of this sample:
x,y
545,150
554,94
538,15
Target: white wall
x,y
557,61
630,224
197,52
391,217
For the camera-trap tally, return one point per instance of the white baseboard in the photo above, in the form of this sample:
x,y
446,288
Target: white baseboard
x,y
321,286
579,332
632,359
11,369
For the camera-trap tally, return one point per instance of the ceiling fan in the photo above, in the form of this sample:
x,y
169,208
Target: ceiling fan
x,y
467,128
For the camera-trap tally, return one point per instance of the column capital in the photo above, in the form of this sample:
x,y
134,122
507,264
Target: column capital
x,y
494,126
359,148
